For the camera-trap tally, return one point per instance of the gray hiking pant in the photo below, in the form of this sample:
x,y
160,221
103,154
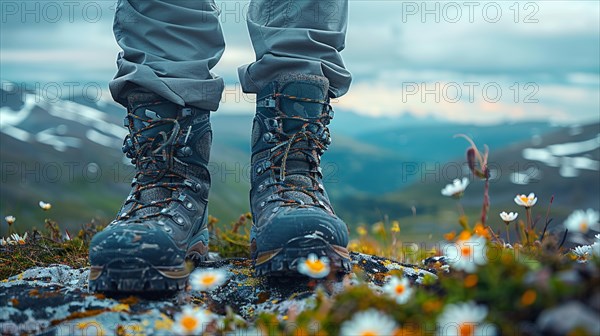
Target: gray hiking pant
x,y
170,46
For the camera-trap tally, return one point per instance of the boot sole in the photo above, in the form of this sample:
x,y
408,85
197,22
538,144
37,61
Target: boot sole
x,y
135,275
138,276
284,262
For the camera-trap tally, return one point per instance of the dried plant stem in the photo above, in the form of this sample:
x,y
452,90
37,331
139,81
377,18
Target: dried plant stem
x,y
528,213
461,210
486,201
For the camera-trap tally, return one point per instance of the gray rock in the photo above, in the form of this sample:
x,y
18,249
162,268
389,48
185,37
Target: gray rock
x,y
54,300
565,318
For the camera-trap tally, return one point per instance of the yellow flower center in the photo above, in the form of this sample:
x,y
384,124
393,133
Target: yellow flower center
x,y
465,251
189,322
208,279
368,333
21,242
400,289
466,329
524,199
315,265
583,227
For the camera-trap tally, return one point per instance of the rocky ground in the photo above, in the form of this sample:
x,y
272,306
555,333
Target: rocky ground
x,y
54,300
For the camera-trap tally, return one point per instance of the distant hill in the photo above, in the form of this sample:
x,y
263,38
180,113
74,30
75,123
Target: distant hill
x,y
564,163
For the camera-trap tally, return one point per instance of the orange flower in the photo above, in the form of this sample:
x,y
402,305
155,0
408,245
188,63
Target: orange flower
x,y
528,297
450,235
471,280
482,231
465,235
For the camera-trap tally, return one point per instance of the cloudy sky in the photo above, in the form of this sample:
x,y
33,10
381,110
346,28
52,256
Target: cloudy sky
x,y
482,62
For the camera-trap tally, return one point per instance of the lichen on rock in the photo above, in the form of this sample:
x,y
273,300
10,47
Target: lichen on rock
x,y
55,299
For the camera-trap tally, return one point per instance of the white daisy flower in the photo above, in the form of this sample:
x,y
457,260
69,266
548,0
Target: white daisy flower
x,y
582,221
368,323
464,319
45,206
596,249
467,254
526,201
207,279
399,289
583,253
191,321
314,267
10,219
16,239
508,217
457,188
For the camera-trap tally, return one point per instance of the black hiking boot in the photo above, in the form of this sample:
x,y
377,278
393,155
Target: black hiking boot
x,y
163,222
293,217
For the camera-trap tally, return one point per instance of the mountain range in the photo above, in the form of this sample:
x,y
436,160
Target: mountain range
x,y
67,152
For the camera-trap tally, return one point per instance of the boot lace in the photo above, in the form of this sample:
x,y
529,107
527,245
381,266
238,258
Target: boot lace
x,y
313,136
154,158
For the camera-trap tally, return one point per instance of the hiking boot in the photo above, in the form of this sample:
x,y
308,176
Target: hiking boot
x,y
163,221
292,214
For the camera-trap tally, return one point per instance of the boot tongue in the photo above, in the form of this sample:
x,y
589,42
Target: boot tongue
x,y
153,113
302,87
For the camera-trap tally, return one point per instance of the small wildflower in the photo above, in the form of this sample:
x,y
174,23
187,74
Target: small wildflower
x,y
582,221
45,206
450,235
10,220
399,289
369,323
596,249
528,298
526,201
482,231
467,254
596,246
18,239
207,279
464,319
314,266
464,235
471,280
395,226
508,217
378,228
456,189
361,231
583,253
191,321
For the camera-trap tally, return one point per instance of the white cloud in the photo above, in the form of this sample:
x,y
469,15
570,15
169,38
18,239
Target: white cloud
x,y
555,103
